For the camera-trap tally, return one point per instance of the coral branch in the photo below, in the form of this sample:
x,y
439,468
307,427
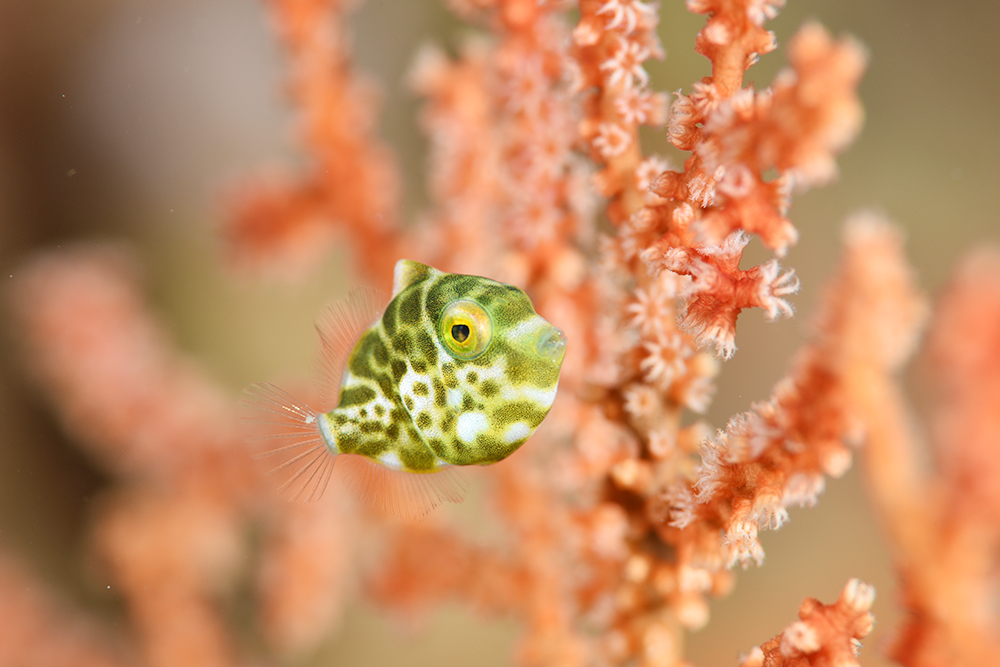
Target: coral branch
x,y
166,554
964,355
154,421
719,290
734,36
352,186
306,571
944,526
825,635
624,515
776,454
37,629
737,135
810,112
139,408
433,565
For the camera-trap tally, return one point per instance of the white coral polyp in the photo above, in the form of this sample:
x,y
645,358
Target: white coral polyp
x,y
770,513
772,287
612,140
625,14
798,638
803,489
858,596
722,337
835,461
741,537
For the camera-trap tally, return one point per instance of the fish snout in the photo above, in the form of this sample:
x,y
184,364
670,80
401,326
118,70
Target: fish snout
x,y
551,344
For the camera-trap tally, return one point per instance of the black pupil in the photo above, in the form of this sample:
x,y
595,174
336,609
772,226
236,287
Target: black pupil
x,y
460,332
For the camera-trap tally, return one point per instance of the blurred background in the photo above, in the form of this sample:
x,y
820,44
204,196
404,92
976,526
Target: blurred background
x,y
131,120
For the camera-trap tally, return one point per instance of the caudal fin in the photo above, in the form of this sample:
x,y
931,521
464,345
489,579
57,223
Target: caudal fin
x,y
284,431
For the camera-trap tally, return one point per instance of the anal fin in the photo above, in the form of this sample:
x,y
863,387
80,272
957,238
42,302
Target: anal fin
x,y
405,495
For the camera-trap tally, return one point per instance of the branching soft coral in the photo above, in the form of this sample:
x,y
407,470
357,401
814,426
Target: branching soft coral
x,y
623,516
37,628
824,635
719,290
351,188
171,534
777,454
606,564
809,113
737,135
943,526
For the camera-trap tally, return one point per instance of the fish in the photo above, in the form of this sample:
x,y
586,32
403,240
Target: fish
x,y
455,370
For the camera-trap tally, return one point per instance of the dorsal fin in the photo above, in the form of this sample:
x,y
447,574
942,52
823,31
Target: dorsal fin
x,y
340,325
408,272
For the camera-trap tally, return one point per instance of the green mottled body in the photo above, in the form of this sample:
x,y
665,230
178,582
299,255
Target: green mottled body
x,y
411,399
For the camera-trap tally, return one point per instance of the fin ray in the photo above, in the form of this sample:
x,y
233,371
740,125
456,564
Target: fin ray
x,y
340,326
312,486
405,495
303,464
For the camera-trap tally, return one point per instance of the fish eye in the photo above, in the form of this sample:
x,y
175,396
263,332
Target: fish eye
x,y
460,332
465,329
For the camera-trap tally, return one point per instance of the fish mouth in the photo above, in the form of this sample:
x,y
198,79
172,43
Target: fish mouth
x,y
551,344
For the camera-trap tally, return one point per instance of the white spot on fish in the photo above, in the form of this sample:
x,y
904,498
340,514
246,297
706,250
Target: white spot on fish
x,y
469,425
543,397
517,431
386,405
391,460
526,328
420,403
454,398
498,373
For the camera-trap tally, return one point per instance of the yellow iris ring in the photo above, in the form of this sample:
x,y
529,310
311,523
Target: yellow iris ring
x,y
465,328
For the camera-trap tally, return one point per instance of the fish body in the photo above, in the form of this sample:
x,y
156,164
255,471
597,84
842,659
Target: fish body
x,y
457,370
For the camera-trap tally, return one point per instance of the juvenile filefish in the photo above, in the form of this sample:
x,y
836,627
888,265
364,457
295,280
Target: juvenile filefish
x,y
456,371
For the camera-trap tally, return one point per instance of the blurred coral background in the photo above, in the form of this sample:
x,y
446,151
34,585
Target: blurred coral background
x,y
135,120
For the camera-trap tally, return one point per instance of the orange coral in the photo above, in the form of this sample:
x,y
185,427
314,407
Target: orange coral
x,y
172,534
36,628
943,526
631,465
351,188
825,635
776,454
625,515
